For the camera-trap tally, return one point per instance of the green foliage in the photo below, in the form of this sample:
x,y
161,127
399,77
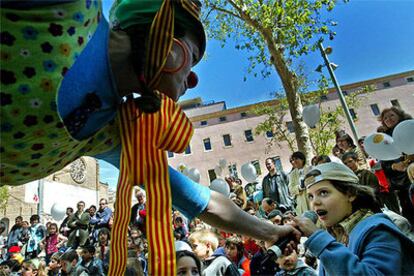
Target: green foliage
x,y
323,135
4,197
290,26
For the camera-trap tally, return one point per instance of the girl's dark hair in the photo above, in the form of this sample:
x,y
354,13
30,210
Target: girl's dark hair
x,y
319,159
299,155
239,245
185,253
149,102
365,195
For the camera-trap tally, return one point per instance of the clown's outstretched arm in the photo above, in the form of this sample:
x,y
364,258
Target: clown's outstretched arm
x,y
193,199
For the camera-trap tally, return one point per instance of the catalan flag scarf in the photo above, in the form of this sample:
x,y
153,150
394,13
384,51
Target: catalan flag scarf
x,y
145,139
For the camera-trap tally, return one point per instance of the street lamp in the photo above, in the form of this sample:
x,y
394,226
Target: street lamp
x,y
331,67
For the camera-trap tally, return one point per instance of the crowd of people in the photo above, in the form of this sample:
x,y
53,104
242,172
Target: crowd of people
x,y
345,190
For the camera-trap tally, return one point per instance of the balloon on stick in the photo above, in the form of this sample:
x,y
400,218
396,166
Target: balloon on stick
x,y
194,174
248,171
311,115
403,136
218,170
381,146
223,163
58,211
221,186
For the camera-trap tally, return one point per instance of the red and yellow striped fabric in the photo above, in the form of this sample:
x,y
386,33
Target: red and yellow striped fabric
x,y
145,140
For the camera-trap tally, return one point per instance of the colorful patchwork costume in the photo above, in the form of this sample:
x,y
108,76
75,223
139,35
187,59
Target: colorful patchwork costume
x,y
59,101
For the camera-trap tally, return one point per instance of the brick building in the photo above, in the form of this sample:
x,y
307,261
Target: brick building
x,y
229,134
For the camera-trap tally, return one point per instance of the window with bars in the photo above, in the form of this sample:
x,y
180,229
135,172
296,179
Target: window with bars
x,y
375,109
227,140
395,103
290,127
269,134
249,135
207,144
188,150
170,154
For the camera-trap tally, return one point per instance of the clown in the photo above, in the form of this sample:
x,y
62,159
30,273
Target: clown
x,y
64,76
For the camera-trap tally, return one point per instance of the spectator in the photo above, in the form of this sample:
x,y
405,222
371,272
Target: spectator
x,y
346,144
33,267
101,218
37,233
102,249
53,268
10,267
260,264
133,267
292,265
204,243
235,252
69,263
180,232
296,186
15,233
320,159
361,143
275,185
64,228
188,263
359,240
93,266
53,241
78,224
275,217
138,212
396,170
269,205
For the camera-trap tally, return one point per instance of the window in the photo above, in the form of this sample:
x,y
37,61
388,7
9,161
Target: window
x,y
222,119
207,144
170,154
233,170
212,175
203,123
375,109
256,164
227,140
269,134
278,163
188,150
290,127
324,98
353,114
410,79
249,135
395,103
345,92
243,114
386,84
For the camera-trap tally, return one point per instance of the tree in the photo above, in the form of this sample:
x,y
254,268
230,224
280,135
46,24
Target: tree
x,y
273,32
322,137
4,197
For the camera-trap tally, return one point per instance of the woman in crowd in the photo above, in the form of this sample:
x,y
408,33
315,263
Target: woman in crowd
x,y
296,185
359,239
396,170
346,144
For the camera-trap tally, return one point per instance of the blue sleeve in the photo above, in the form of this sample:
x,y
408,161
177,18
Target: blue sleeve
x,y
381,254
106,216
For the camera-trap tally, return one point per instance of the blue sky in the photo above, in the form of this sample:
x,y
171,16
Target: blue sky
x,y
374,38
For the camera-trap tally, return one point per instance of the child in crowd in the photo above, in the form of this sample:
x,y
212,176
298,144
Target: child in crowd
x,y
359,239
188,264
53,241
53,268
33,267
293,265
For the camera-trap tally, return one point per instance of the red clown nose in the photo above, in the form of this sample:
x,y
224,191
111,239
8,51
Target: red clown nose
x,y
192,80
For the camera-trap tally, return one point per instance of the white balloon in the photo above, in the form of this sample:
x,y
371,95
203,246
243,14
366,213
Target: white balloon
x,y
311,115
403,136
181,167
218,170
194,174
381,146
223,163
221,186
248,171
58,211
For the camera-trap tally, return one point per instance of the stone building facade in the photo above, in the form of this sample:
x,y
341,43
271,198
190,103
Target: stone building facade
x,y
229,134
77,181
